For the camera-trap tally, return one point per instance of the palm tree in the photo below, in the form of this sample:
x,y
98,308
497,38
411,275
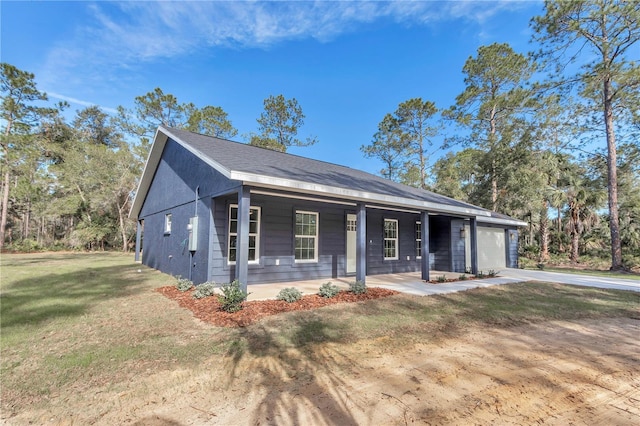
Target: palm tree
x,y
583,198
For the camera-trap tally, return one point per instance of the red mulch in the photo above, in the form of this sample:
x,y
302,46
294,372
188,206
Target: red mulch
x,y
208,309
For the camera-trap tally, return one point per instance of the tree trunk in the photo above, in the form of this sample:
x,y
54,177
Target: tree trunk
x,y
5,206
575,241
544,233
123,230
612,175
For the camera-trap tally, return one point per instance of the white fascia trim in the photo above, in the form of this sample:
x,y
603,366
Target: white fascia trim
x,y
150,166
312,188
498,221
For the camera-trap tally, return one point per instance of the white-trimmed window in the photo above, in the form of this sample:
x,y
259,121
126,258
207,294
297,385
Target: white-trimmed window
x,y
390,239
306,236
419,240
167,223
254,234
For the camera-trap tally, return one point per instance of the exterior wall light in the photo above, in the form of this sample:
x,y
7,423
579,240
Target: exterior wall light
x,y
462,232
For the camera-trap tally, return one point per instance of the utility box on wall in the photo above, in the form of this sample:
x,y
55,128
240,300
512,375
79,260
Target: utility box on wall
x,y
193,233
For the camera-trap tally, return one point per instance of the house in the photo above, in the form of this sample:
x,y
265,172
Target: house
x,y
217,210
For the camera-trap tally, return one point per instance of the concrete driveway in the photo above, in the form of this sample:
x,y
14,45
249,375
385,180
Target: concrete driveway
x,y
575,279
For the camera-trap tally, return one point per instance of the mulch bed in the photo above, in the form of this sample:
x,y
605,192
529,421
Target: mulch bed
x,y
208,309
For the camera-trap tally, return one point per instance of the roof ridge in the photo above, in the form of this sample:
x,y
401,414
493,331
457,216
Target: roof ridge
x,y
260,147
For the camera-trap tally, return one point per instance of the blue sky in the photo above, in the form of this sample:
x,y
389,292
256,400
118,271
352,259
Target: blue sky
x,y
347,63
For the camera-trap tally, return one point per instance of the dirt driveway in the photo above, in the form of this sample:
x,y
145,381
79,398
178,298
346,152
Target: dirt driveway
x,y
583,372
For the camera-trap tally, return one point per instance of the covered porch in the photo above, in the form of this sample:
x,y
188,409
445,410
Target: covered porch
x,y
404,282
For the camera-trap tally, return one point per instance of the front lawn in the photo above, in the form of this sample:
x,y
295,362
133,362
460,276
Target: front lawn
x,y
85,323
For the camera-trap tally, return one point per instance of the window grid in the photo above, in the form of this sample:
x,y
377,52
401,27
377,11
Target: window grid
x,y
306,237
254,234
419,240
390,239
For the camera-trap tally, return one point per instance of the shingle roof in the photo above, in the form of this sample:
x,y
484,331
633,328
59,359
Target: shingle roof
x,y
234,158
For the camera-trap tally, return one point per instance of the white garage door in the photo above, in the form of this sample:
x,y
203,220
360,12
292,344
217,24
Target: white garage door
x,y
491,249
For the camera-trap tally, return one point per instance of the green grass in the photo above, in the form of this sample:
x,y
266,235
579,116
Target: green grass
x,y
79,321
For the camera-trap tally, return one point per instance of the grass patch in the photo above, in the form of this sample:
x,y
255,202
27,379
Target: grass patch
x,y
72,322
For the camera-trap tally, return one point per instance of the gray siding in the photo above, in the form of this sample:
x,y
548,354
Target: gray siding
x,y
512,248
407,259
277,263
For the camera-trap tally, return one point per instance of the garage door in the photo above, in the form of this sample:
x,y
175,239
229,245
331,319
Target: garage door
x,y
491,249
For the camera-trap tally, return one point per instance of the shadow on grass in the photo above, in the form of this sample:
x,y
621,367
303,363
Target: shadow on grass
x,y
527,303
54,295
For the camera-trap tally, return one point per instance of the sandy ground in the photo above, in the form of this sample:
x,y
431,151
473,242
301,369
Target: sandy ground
x,y
559,373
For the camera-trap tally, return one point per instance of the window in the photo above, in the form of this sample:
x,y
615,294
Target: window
x,y
390,239
254,234
418,240
306,244
167,223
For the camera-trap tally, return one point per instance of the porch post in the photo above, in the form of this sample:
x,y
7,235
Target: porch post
x,y
361,243
242,242
138,239
424,252
473,228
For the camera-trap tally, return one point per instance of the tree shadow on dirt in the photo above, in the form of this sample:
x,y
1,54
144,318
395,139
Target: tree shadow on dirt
x,y
298,370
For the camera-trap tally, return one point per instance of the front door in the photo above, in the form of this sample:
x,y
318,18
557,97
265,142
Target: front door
x,y
351,244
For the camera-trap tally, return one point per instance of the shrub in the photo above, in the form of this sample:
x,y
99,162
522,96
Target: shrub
x,y
328,290
232,296
480,275
441,279
358,287
462,277
289,294
184,284
492,273
204,290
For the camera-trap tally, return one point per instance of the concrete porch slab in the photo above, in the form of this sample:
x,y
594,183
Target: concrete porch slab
x,y
410,282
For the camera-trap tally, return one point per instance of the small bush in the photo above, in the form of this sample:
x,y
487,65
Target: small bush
x,y
232,296
358,287
328,290
184,284
492,273
204,290
441,279
289,294
462,277
480,274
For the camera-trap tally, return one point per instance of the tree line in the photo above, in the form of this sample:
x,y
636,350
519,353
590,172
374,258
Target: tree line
x,y
70,184
526,137
533,137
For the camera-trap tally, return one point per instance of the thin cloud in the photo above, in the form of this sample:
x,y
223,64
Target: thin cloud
x,y
80,102
148,30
